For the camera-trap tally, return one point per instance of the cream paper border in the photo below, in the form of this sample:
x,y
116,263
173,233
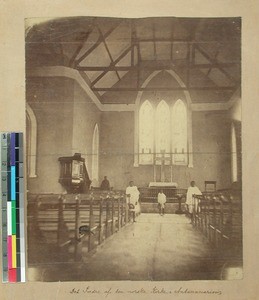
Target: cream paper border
x,y
12,118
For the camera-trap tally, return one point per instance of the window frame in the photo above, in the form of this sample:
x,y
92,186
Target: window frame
x,y
139,101
188,161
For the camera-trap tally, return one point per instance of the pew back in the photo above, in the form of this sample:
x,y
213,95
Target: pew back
x,y
54,220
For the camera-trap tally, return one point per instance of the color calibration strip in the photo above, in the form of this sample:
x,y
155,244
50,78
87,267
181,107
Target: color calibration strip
x,y
12,204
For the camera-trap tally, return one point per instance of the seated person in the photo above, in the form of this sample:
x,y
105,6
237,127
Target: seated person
x,y
132,194
161,199
105,185
192,190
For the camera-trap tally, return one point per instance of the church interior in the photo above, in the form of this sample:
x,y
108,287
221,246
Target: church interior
x,y
156,101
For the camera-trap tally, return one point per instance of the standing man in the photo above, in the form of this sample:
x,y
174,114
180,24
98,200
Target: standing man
x,y
105,185
132,194
161,199
192,190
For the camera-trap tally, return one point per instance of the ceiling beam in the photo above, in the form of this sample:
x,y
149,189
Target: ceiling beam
x,y
108,51
79,48
132,41
188,58
112,67
179,40
215,58
109,68
130,89
138,66
215,62
99,41
153,39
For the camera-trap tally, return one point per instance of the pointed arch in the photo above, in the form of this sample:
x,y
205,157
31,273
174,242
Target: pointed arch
x,y
95,156
31,141
179,133
188,111
146,133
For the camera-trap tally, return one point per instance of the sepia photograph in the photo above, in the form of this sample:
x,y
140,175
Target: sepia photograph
x,y
133,149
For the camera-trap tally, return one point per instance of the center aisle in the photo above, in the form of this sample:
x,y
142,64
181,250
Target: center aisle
x,y
154,248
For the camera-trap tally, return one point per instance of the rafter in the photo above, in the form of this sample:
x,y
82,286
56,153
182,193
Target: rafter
x,y
138,66
161,40
106,69
108,51
188,57
112,67
99,41
132,41
215,62
130,89
79,48
215,57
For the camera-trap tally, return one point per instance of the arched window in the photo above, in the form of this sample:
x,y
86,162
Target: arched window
x,y
163,136
179,133
146,133
95,157
162,122
31,141
234,153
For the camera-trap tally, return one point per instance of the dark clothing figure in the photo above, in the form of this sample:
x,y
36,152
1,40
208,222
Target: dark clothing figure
x,y
105,185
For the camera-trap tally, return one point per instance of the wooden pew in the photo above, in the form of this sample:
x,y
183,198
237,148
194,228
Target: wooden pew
x,y
56,219
218,216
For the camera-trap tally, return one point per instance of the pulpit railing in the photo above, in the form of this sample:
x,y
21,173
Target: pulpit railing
x,y
149,194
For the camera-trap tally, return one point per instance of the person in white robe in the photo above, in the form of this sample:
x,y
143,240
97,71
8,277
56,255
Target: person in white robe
x,y
190,200
132,194
161,199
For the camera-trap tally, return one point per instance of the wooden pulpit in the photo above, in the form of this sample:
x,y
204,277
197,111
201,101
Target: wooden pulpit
x,y
73,174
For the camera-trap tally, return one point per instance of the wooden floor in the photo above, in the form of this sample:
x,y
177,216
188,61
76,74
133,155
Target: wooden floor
x,y
154,248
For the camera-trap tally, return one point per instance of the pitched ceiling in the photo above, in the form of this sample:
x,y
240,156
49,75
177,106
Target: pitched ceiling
x,y
115,56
